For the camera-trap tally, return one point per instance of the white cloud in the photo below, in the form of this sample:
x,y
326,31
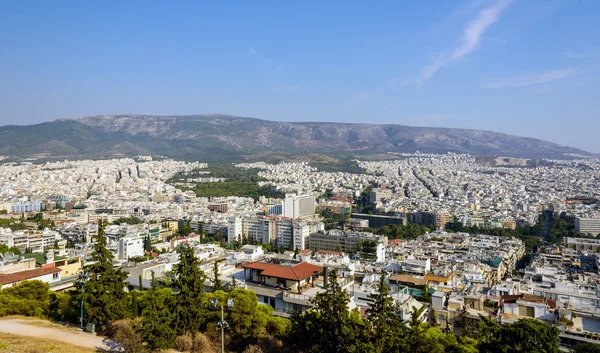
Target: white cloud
x,y
471,38
536,78
581,55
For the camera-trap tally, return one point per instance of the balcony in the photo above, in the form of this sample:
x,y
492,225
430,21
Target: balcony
x,y
296,298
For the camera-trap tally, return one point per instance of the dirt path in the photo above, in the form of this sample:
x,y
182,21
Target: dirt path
x,y
77,338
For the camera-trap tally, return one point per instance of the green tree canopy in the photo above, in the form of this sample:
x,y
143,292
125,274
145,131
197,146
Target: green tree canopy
x,y
190,311
103,293
158,318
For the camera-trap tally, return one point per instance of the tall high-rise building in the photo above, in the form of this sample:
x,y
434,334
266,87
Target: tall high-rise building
x,y
234,228
295,206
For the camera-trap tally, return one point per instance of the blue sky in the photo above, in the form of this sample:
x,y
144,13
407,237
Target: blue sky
x,y
524,67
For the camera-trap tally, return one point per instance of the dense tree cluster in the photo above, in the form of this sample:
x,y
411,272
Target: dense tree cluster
x,y
561,228
220,170
5,249
236,188
409,231
128,220
18,224
239,182
12,223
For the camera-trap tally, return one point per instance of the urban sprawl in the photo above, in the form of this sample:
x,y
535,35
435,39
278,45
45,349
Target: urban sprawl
x,y
453,235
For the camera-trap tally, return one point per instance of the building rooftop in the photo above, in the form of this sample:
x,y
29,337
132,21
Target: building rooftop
x,y
290,271
25,275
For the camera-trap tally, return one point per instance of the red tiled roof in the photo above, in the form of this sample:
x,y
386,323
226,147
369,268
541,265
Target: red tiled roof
x,y
305,252
296,272
25,275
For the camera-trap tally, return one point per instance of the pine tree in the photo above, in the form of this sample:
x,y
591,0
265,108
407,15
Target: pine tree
x,y
417,328
157,318
333,314
217,284
385,324
104,287
147,244
189,310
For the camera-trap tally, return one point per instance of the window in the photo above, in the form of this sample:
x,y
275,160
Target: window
x,y
55,275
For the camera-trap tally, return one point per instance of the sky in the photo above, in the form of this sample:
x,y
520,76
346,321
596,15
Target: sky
x,y
523,67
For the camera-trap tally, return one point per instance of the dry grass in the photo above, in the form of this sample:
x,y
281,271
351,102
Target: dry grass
x,y
36,321
19,317
13,344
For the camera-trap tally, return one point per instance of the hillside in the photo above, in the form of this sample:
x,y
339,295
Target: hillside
x,y
228,137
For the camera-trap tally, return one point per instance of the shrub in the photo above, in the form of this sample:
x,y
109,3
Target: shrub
x,y
184,343
201,344
124,331
253,349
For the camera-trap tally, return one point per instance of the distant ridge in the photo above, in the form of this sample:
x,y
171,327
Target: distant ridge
x,y
214,136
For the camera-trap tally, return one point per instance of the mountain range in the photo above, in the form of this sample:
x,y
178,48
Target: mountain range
x,y
212,137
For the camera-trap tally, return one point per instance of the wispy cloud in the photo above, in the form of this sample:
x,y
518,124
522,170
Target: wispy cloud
x,y
267,64
536,78
360,97
581,55
471,38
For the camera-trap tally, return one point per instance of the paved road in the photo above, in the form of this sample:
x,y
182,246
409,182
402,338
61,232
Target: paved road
x,y
77,338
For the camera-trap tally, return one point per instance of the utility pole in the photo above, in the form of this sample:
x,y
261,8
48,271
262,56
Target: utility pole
x,y
223,323
82,293
83,276
222,332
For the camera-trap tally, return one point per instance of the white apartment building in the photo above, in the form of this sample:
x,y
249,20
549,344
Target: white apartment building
x,y
26,240
295,206
587,225
234,229
130,247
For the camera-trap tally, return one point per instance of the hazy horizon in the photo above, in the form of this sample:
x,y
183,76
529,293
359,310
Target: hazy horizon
x,y
525,68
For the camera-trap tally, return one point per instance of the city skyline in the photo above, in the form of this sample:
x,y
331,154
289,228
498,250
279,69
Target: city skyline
x,y
503,66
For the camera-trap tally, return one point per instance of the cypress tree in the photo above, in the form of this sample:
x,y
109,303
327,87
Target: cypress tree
x,y
385,324
217,284
189,309
104,287
157,318
147,244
